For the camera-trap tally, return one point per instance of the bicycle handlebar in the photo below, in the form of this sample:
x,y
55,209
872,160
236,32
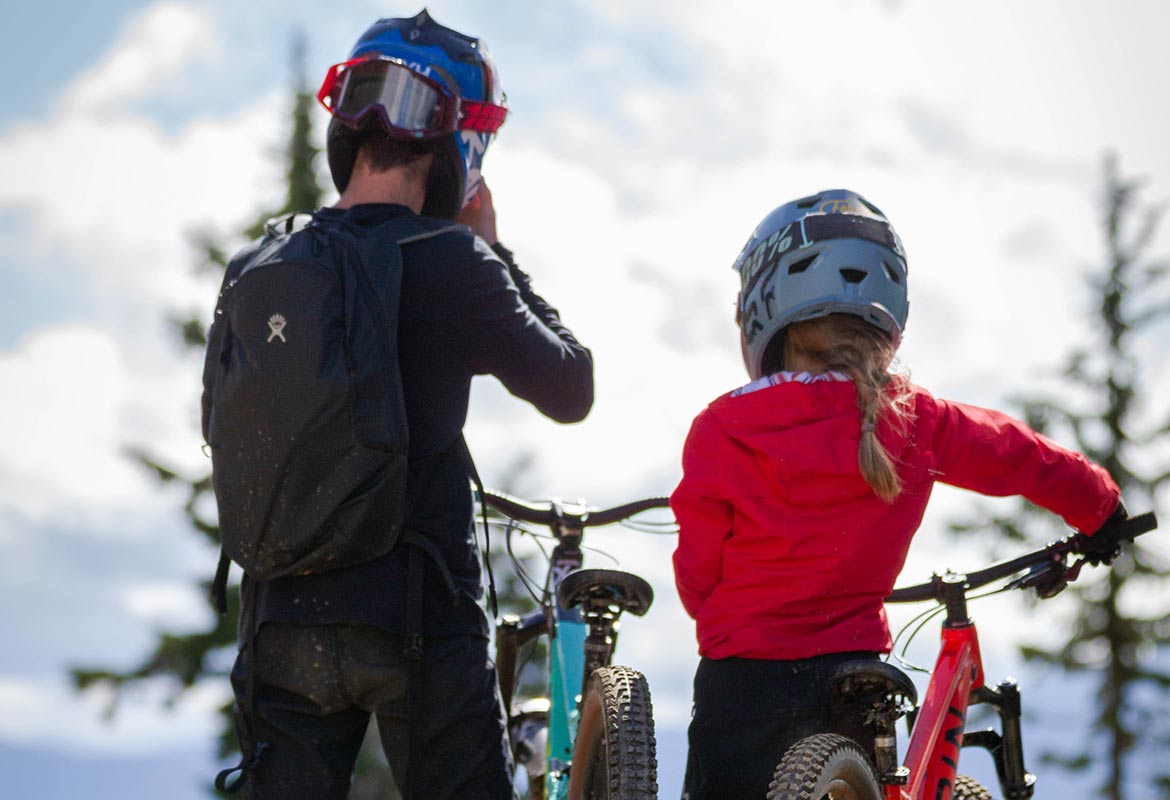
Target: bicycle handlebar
x,y
577,515
1128,530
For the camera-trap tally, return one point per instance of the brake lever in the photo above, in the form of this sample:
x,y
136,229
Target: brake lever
x,y
1049,579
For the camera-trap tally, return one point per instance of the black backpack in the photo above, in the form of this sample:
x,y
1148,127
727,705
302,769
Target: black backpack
x,y
302,398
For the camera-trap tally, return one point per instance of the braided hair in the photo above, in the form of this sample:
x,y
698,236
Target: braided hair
x,y
847,344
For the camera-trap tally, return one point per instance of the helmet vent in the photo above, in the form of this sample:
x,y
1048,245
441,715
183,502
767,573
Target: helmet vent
x,y
892,273
808,202
797,267
854,275
871,206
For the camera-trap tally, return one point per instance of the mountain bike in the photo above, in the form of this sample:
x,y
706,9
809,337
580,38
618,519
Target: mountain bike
x,y
836,767
592,736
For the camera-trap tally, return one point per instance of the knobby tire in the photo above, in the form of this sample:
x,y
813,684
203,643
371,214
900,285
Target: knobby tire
x,y
614,755
967,788
824,767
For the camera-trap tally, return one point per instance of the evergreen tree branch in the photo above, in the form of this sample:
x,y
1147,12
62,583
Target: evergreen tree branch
x,y
1104,639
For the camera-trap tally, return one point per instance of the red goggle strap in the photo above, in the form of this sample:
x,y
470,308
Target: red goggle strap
x,y
481,117
325,93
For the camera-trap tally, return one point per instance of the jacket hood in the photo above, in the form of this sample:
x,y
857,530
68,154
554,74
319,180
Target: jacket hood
x,y
803,438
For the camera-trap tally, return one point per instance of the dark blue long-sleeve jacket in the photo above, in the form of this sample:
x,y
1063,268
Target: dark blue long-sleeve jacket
x,y
465,310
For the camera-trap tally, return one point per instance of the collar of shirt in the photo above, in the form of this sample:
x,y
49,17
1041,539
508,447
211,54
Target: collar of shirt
x,y
789,377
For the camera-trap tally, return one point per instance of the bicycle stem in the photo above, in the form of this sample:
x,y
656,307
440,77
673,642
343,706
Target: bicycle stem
x,y
953,592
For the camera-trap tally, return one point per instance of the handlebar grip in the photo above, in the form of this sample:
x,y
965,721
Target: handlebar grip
x,y
1123,530
1134,527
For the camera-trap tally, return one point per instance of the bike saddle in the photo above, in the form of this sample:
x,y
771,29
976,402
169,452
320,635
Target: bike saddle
x,y
862,679
607,587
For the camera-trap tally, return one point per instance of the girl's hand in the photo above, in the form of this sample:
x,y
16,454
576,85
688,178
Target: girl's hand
x,y
480,214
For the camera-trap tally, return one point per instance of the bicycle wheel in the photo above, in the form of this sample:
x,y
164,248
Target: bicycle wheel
x,y
824,767
967,788
614,754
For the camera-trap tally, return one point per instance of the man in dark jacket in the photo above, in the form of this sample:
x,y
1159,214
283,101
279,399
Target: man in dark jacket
x,y
414,108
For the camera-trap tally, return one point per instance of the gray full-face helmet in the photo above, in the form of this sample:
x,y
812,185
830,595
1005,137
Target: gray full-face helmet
x,y
830,253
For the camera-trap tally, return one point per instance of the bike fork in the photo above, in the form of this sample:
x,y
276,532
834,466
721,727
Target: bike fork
x,y
1007,750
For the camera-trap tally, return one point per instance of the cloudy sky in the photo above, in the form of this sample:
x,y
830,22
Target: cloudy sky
x,y
645,141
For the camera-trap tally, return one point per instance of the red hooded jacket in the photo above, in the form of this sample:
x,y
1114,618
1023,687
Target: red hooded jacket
x,y
784,550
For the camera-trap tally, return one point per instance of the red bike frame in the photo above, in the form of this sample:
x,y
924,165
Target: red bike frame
x,y
933,753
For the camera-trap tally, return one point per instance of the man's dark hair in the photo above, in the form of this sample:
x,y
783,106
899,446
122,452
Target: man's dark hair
x,y
385,153
444,183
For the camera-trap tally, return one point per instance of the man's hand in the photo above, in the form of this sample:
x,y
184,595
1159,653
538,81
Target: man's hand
x,y
480,214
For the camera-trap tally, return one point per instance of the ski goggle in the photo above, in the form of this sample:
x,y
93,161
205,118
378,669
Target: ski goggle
x,y
406,101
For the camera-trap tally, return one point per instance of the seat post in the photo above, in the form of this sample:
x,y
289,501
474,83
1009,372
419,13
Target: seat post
x,y
881,693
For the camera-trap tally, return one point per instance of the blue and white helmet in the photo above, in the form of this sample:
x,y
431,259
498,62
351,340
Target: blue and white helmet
x,y
830,253
469,102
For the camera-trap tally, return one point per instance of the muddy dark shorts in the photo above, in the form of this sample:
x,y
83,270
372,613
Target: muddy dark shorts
x,y
316,687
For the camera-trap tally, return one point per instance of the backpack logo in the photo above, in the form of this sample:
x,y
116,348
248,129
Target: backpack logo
x,y
276,325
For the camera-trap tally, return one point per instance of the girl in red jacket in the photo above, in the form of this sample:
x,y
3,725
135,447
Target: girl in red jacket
x,y
801,490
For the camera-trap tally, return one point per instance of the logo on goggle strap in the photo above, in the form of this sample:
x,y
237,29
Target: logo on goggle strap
x,y
276,325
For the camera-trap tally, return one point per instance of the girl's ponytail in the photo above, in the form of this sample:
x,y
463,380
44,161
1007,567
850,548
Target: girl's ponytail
x,y
845,343
877,466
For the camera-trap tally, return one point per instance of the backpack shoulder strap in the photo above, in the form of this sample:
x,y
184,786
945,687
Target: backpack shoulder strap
x,y
218,594
423,235
287,223
464,453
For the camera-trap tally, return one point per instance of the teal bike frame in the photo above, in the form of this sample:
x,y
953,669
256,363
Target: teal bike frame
x,y
578,643
566,669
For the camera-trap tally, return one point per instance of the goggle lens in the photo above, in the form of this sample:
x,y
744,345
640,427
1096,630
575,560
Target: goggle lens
x,y
409,103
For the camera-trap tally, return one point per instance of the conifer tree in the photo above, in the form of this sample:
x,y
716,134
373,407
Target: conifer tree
x,y
184,659
1119,636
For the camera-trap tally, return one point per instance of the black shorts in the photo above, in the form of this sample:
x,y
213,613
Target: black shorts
x,y
316,688
748,712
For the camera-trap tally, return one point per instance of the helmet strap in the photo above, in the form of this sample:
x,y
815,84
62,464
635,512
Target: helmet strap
x,y
444,183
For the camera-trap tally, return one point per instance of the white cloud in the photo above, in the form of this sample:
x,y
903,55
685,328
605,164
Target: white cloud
x,y
31,713
60,443
85,397
153,51
118,196
174,606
